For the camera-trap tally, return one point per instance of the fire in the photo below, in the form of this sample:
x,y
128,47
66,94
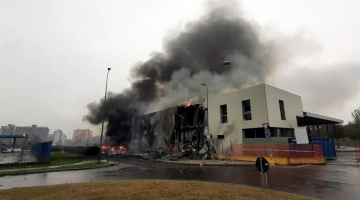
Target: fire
x,y
113,150
175,149
187,104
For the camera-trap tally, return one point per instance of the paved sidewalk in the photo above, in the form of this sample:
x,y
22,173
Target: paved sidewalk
x,y
206,162
346,149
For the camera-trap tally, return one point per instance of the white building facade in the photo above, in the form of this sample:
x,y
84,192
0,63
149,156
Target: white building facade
x,y
59,137
238,117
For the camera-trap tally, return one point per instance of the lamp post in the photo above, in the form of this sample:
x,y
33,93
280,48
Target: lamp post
x,y
88,135
207,104
102,125
77,134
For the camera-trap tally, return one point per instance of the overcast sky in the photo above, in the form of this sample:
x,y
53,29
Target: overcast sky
x,y
54,54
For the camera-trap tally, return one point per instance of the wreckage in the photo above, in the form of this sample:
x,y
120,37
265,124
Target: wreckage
x,y
177,132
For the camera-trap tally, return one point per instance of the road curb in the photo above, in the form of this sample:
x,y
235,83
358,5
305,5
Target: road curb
x,y
204,164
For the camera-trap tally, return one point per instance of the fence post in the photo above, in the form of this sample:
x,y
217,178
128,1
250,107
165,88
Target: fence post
x,y
222,146
356,154
252,149
265,150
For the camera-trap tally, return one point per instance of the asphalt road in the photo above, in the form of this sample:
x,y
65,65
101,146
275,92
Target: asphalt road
x,y
322,181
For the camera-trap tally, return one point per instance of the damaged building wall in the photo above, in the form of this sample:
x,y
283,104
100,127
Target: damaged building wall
x,y
174,127
144,127
232,129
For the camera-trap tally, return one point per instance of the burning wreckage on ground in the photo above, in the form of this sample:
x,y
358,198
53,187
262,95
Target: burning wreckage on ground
x,y
113,150
174,132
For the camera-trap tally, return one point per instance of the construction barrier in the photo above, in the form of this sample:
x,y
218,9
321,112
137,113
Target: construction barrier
x,y
276,160
283,154
278,150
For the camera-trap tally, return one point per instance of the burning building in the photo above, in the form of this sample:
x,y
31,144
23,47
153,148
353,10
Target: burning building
x,y
191,57
170,129
236,117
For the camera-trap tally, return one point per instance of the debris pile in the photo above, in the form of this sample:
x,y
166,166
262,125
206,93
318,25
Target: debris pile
x,y
173,133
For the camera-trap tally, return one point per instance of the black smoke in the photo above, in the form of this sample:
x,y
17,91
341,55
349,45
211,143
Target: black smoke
x,y
200,48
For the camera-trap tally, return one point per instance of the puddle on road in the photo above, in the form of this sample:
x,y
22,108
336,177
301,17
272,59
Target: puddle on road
x,y
278,177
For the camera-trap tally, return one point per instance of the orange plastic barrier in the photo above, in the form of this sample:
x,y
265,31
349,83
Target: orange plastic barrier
x,y
278,150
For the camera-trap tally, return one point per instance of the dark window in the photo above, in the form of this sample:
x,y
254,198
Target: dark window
x,y
254,133
249,133
246,110
282,110
223,114
220,136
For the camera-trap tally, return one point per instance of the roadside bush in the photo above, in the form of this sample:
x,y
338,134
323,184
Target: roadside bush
x,y
91,151
56,148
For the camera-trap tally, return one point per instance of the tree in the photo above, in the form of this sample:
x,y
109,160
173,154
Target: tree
x,y
353,128
356,117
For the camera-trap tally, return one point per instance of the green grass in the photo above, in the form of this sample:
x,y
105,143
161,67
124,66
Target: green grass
x,y
65,161
62,158
146,189
62,168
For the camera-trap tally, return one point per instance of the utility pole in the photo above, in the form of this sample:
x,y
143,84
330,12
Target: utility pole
x,y
103,119
88,136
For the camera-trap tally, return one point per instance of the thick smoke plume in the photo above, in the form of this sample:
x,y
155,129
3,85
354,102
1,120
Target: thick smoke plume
x,y
191,57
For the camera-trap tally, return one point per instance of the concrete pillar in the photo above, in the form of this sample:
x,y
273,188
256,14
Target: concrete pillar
x,y
337,136
327,130
13,145
317,128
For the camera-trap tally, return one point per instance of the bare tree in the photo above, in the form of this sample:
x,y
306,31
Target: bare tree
x,y
356,117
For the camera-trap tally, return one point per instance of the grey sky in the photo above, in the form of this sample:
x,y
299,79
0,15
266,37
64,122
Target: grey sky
x,y
54,54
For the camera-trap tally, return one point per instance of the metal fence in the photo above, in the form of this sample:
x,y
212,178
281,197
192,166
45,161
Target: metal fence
x,y
278,150
347,153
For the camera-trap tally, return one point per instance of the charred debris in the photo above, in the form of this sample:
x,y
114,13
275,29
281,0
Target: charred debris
x,y
172,133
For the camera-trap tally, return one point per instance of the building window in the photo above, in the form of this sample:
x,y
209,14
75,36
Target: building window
x,y
220,137
246,110
282,110
223,114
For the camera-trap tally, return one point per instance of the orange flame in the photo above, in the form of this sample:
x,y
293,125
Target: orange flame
x,y
114,149
187,104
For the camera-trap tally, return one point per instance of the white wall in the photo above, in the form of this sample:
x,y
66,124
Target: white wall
x,y
292,103
233,129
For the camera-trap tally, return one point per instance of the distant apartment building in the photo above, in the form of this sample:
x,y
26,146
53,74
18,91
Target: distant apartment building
x,y
59,137
95,140
50,137
35,133
82,136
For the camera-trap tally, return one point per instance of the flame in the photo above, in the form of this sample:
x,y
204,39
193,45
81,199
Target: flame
x,y
112,150
187,104
175,148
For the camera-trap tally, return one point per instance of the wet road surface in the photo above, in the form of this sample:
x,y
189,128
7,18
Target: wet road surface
x,y
322,181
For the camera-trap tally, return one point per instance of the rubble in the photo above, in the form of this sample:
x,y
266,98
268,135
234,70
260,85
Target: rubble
x,y
174,133
171,130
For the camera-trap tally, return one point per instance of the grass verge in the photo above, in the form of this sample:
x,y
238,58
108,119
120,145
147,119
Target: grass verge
x,y
146,189
62,158
56,159
62,168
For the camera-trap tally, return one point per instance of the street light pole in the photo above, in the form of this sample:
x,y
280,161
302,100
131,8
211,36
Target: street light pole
x,y
207,104
103,119
88,135
77,135
207,96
